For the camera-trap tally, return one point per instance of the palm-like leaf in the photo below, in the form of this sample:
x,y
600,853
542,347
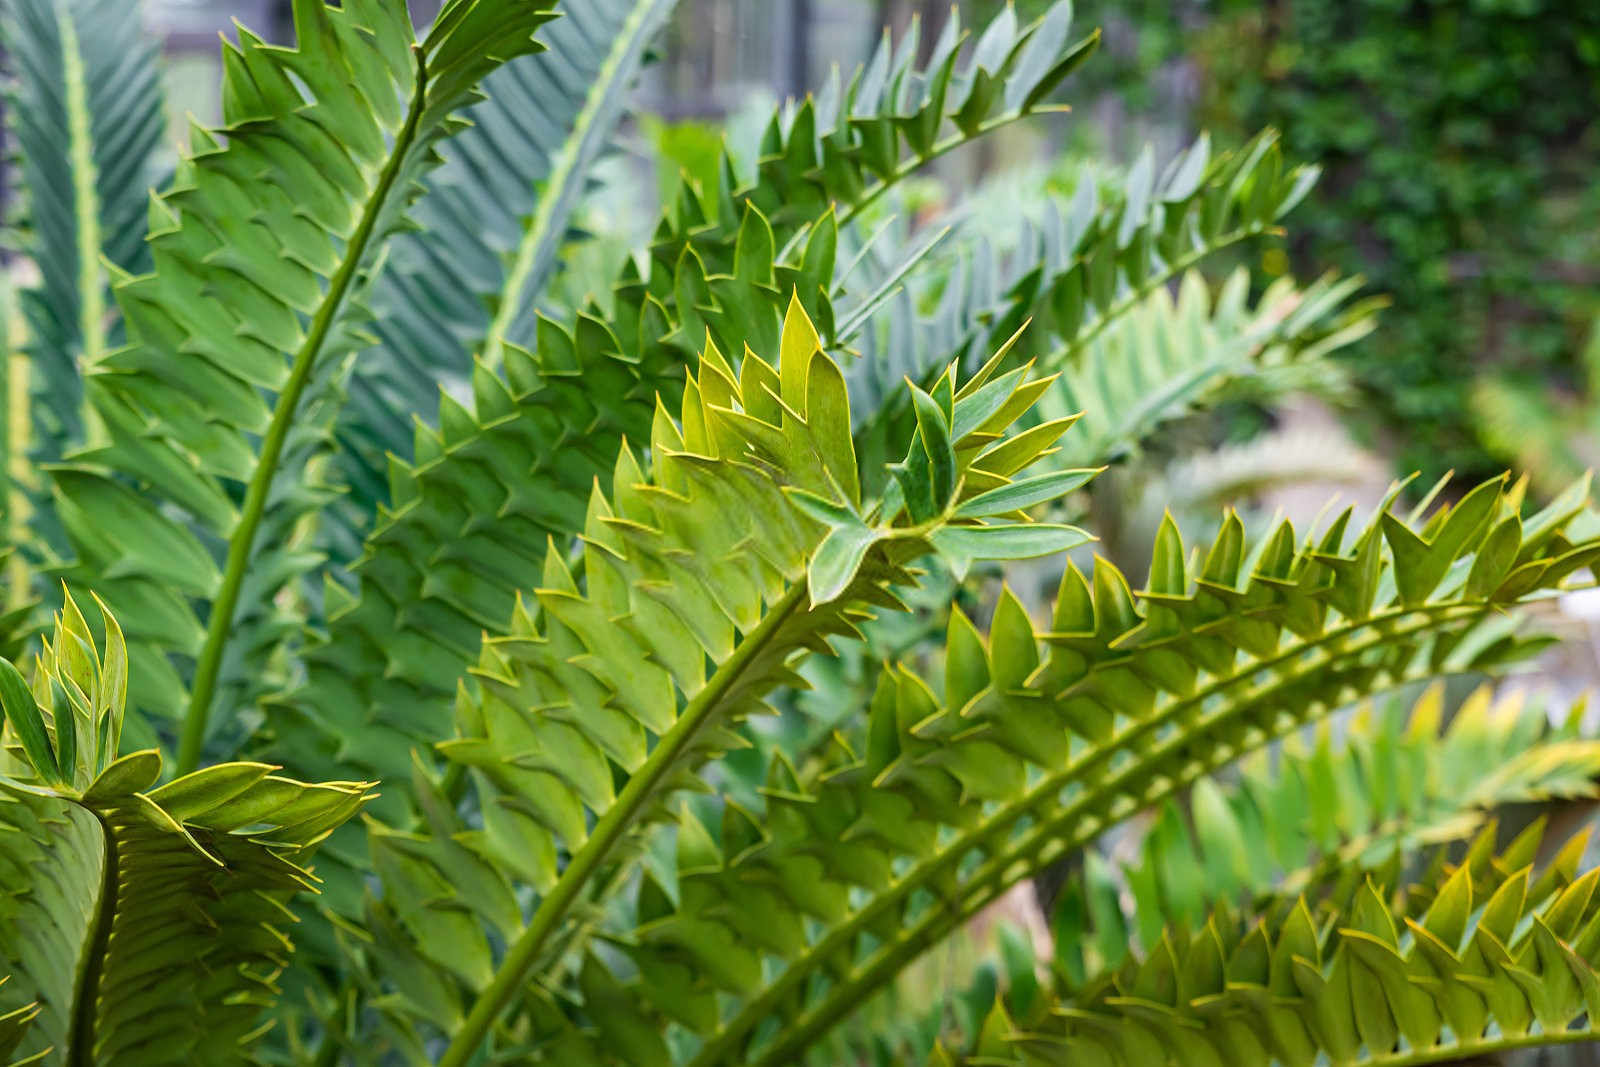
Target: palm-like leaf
x,y
492,224
1027,759
1324,815
321,155
546,426
1165,357
712,602
1478,958
144,926
1081,267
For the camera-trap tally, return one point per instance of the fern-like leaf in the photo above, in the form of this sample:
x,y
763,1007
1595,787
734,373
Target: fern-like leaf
x,y
1483,957
742,545
546,426
1028,757
1082,266
321,155
1165,357
491,224
1325,815
86,110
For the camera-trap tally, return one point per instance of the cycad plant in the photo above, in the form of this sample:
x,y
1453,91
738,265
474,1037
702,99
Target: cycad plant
x,y
782,444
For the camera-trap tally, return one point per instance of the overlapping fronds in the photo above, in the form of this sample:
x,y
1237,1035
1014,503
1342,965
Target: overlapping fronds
x,y
1335,812
492,223
741,545
144,925
1082,265
85,108
1165,357
1027,757
322,150
822,161
1212,348
1480,957
546,427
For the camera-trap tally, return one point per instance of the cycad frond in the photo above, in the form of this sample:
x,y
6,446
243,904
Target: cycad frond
x,y
1479,958
144,924
1027,758
321,154
743,544
1165,357
1332,813
1082,266
86,110
492,222
547,426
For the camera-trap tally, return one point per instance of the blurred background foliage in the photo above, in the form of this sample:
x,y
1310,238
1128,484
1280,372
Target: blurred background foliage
x,y
1457,136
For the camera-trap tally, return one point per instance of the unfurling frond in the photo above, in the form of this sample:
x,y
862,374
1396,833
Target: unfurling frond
x,y
144,924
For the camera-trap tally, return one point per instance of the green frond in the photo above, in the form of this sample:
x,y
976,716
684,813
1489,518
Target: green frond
x,y
1081,267
742,544
143,925
435,575
491,226
229,379
1481,957
1165,356
1030,753
86,110
1324,815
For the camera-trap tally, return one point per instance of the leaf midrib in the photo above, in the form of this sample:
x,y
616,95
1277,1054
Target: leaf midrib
x,y
91,966
613,827
241,542
1004,818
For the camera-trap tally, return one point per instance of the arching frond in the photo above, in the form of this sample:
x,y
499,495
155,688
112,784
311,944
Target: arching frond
x,y
1028,756
741,545
548,425
86,110
1335,812
228,377
1083,266
490,228
1484,956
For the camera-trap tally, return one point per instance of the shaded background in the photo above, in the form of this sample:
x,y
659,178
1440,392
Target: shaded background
x,y
1458,138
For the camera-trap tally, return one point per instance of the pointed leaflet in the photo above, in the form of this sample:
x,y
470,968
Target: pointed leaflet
x,y
1130,703
86,111
692,606
492,222
546,425
257,287
171,900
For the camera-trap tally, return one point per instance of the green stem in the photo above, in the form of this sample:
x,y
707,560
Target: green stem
x,y
85,201
611,829
86,995
556,196
981,835
1134,296
242,542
